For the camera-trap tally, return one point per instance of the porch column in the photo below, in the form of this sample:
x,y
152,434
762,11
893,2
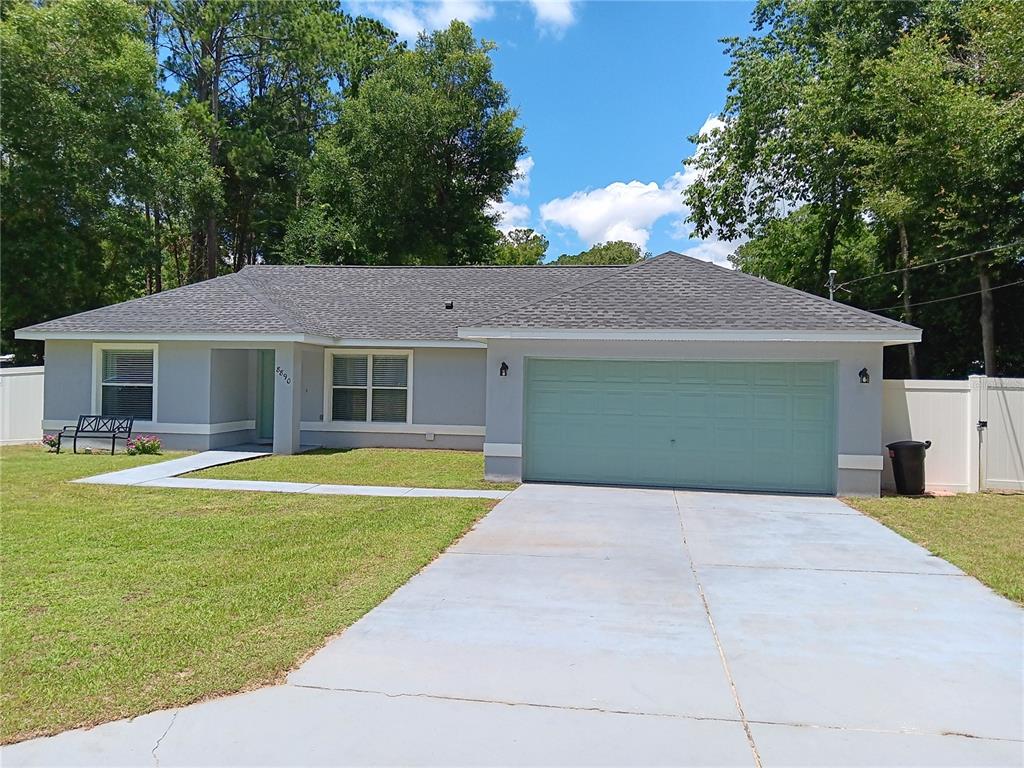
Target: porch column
x,y
287,397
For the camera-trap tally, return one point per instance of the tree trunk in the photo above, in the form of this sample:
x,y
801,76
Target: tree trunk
x,y
158,241
828,247
987,319
907,313
213,96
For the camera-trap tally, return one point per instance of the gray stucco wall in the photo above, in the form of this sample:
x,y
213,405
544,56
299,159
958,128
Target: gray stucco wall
x,y
447,386
204,383
229,385
859,406
183,393
313,384
67,383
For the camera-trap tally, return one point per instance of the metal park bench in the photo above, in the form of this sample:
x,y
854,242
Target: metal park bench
x,y
97,426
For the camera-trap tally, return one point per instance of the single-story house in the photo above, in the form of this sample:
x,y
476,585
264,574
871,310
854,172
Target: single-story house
x,y
672,371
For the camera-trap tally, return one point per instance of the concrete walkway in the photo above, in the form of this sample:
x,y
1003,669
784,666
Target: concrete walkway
x,y
604,626
165,475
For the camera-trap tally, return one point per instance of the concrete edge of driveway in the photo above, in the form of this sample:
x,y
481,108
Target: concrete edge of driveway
x,y
166,474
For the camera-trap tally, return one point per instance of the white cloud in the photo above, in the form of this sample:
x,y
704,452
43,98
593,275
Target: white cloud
x,y
619,211
629,211
408,18
510,215
717,251
554,16
521,185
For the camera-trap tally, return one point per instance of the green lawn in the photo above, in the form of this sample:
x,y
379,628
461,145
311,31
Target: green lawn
x,y
117,601
981,533
366,466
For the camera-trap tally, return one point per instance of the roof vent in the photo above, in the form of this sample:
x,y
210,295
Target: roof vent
x,y
449,305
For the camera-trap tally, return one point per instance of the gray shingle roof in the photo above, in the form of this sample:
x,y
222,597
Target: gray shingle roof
x,y
408,303
339,302
673,291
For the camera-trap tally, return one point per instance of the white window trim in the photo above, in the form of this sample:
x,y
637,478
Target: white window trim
x,y
331,352
97,373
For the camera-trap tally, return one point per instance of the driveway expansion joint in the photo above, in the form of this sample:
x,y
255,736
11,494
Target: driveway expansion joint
x,y
501,702
829,570
714,634
890,731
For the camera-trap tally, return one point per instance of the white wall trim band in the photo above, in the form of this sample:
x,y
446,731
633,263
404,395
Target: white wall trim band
x,y
396,428
258,340
505,450
140,427
860,461
895,336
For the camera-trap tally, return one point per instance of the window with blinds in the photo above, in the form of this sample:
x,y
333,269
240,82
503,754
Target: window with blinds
x,y
126,383
370,387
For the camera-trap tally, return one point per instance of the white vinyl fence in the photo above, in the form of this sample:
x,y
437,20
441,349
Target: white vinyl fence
x,y
976,428
21,404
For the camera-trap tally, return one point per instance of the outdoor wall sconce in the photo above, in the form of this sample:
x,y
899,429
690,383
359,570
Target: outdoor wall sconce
x,y
865,377
503,370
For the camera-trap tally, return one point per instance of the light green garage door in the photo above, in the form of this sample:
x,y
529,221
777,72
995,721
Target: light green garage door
x,y
731,425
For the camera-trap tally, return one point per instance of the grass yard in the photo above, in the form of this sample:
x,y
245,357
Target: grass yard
x,y
424,468
980,533
118,601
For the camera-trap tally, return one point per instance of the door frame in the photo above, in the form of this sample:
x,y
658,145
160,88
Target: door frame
x,y
265,389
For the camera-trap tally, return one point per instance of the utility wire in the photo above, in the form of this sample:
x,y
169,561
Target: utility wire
x,y
947,298
930,263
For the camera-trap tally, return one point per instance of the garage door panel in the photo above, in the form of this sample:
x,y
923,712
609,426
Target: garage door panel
x,y
617,372
813,375
732,405
732,438
739,374
688,372
690,405
731,425
580,401
618,402
773,406
773,439
656,402
773,375
812,407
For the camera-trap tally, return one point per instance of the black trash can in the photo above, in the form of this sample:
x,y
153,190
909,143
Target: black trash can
x,y
908,465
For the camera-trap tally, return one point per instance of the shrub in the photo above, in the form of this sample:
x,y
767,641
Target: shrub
x,y
51,441
142,444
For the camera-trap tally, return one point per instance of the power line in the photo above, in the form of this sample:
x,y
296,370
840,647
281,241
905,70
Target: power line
x,y
948,298
931,263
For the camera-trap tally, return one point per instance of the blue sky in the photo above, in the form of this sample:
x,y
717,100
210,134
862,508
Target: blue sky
x,y
608,93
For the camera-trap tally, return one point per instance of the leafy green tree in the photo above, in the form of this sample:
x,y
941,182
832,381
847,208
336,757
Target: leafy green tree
x,y
260,80
521,246
88,142
795,87
613,252
418,152
888,131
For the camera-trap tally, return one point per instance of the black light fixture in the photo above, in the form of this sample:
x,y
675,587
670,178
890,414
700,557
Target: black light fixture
x,y
865,377
503,370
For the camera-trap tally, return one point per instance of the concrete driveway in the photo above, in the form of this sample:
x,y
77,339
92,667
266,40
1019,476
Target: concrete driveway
x,y
601,626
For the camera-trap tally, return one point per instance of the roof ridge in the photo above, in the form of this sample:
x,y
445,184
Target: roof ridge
x,y
524,267
622,268
281,313
791,289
